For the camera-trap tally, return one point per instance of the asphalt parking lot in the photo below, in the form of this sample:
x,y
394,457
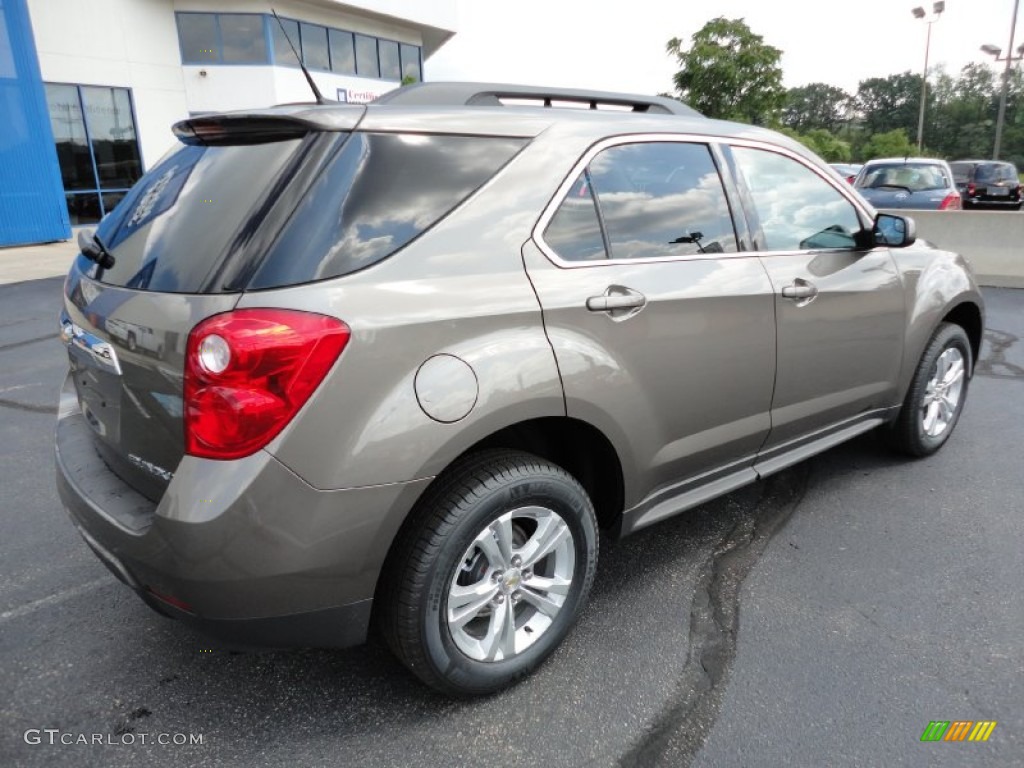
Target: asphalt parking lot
x,y
822,617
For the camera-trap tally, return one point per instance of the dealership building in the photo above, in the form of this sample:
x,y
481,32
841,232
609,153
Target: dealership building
x,y
89,89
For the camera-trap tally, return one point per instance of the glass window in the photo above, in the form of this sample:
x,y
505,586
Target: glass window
x,y
662,199
390,68
798,209
108,112
68,127
914,176
283,54
83,208
242,38
376,195
197,33
575,231
314,47
175,227
366,56
411,63
343,52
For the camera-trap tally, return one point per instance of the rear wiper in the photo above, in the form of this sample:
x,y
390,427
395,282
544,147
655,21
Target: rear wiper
x,y
93,249
892,186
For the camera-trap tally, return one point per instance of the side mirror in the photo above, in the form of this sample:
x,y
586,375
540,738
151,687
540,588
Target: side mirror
x,y
894,231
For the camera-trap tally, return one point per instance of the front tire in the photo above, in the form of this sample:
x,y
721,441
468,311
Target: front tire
x,y
937,393
492,575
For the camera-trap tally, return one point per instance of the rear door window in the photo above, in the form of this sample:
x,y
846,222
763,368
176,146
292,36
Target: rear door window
x,y
378,193
655,199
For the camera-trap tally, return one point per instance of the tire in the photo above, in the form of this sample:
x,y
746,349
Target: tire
x,y
924,423
453,551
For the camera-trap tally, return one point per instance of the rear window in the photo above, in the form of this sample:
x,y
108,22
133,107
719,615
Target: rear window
x,y
378,193
915,177
178,221
996,172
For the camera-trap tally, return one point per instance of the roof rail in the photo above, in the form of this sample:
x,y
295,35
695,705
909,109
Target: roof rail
x,y
438,94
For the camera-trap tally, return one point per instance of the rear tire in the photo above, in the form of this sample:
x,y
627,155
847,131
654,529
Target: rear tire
x,y
493,574
937,393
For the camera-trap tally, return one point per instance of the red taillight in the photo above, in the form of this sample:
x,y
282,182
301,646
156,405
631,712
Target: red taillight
x,y
972,190
248,372
950,203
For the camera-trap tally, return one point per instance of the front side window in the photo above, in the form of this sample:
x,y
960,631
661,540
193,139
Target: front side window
x,y
798,209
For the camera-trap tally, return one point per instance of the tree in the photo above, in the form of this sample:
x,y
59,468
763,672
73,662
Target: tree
x,y
889,144
827,146
729,72
888,103
816,105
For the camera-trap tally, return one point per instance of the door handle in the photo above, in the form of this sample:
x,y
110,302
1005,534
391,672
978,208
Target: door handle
x,y
618,301
609,303
800,289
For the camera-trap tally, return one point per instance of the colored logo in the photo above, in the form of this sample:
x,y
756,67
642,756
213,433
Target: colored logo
x,y
958,730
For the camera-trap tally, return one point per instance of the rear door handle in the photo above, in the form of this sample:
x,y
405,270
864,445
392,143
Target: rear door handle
x,y
618,301
800,289
608,303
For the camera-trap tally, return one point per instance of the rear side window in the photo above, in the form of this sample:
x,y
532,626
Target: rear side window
x,y
379,192
174,226
654,199
961,172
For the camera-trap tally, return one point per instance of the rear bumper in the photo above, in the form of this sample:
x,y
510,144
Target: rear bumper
x,y
245,549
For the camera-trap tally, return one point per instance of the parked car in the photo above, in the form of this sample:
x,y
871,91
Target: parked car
x,y
848,171
433,344
915,182
987,183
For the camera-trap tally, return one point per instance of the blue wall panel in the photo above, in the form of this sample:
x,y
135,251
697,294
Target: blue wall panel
x,y
32,208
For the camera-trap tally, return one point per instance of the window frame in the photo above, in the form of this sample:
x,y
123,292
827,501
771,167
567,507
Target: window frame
x,y
728,191
99,190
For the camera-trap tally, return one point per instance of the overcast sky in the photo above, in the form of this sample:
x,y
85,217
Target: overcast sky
x,y
621,45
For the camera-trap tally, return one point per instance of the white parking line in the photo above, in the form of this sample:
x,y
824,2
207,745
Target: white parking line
x,y
45,602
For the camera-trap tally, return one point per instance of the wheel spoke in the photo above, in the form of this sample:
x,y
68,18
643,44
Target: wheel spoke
x,y
551,531
487,542
954,374
502,528
466,602
931,414
552,586
542,603
501,634
946,408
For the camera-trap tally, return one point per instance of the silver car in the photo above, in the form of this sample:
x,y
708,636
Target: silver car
x,y
415,355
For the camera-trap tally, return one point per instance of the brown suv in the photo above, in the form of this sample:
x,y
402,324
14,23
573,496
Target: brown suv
x,y
404,360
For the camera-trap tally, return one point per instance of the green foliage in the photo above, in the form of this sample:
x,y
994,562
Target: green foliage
x,y
826,145
728,72
888,103
889,144
816,105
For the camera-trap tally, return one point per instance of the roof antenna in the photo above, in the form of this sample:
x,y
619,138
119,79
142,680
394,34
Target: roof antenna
x,y
309,78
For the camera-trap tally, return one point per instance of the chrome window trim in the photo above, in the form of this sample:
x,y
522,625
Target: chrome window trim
x,y
678,138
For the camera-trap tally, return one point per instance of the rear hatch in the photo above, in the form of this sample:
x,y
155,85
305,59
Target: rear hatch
x,y
184,242
249,202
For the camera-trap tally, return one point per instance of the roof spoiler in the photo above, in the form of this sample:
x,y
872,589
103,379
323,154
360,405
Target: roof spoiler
x,y
493,94
259,126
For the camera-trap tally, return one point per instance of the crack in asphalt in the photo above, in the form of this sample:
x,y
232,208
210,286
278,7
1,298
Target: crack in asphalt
x,y
999,342
683,726
5,403
26,342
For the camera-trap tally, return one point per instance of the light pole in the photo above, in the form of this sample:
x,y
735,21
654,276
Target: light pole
x,y
919,13
994,50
